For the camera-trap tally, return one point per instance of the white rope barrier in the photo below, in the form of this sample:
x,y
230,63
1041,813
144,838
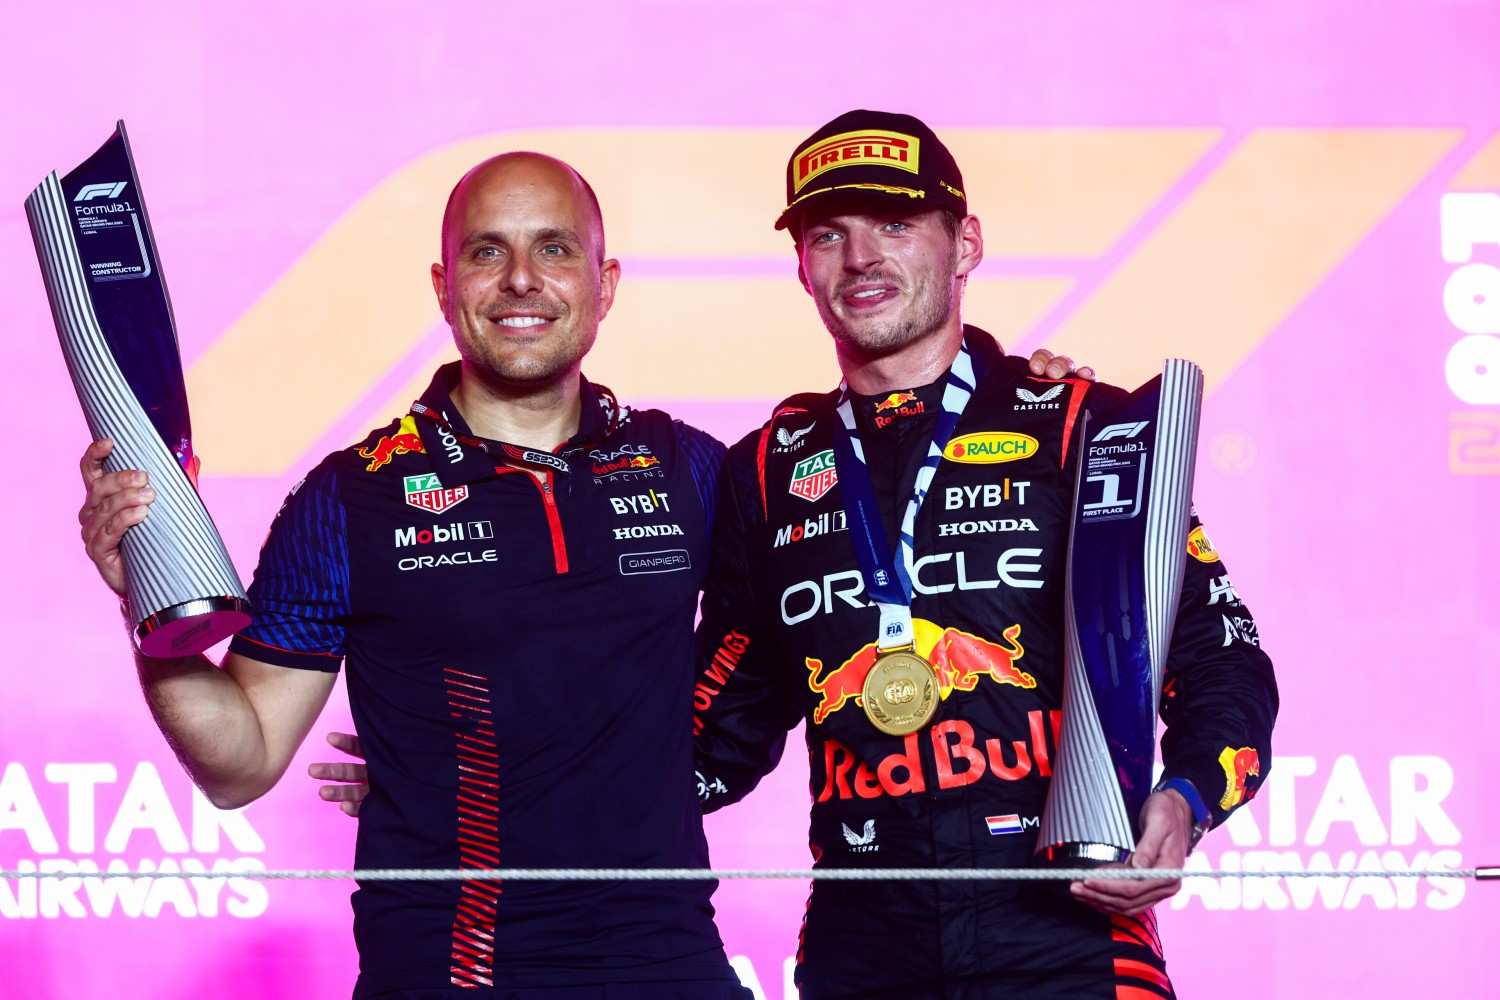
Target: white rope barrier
x,y
823,874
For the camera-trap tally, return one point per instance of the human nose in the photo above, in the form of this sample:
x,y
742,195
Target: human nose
x,y
521,276
861,250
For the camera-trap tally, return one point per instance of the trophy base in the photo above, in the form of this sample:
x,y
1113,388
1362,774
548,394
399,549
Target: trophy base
x,y
192,626
1080,855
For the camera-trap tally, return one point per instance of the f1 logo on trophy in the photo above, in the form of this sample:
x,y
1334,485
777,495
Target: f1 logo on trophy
x,y
109,303
1125,566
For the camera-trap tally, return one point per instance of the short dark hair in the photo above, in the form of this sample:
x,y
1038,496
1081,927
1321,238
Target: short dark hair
x,y
951,222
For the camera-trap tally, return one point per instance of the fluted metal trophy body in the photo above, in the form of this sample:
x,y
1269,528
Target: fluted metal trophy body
x,y
1125,565
114,321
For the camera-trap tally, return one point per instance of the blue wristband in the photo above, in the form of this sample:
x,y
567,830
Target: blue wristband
x,y
1184,787
1202,816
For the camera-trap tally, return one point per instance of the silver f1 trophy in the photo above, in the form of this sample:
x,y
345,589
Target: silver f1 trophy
x,y
114,320
1125,565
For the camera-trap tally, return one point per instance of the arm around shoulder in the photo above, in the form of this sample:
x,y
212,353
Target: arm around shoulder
x,y
742,700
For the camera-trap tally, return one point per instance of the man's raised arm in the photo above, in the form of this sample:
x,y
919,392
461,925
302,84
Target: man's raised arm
x,y
235,727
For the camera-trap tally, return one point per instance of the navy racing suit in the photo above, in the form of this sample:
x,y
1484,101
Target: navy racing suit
x,y
788,635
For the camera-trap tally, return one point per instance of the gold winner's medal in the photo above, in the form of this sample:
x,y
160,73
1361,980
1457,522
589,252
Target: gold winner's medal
x,y
900,692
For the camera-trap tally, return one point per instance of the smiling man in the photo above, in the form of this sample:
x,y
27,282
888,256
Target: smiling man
x,y
511,571
912,527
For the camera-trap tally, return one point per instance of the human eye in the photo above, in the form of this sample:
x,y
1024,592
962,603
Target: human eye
x,y
897,226
825,236
554,250
487,251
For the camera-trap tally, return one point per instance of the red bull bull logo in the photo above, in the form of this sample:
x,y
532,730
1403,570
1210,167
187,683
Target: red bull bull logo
x,y
958,658
894,400
1239,765
406,441
842,683
895,406
629,462
961,658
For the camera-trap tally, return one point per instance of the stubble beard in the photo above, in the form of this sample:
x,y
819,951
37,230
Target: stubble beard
x,y
524,364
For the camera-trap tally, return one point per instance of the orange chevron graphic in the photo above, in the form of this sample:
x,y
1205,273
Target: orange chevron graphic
x,y
1213,280
1247,247
1482,172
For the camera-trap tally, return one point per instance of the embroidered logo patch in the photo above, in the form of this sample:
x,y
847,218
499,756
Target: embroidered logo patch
x,y
814,476
428,493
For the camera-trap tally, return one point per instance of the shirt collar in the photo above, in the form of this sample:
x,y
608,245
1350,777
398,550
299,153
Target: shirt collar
x,y
459,456
902,407
908,407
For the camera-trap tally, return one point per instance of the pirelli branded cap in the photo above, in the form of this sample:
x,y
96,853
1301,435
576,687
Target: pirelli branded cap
x,y
877,152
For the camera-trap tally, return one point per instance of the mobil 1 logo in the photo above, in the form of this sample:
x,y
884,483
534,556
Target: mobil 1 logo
x,y
1114,472
453,531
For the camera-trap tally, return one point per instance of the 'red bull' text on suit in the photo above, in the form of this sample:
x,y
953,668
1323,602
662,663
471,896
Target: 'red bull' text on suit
x,y
788,634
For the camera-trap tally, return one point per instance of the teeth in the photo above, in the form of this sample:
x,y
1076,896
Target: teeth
x,y
867,294
521,322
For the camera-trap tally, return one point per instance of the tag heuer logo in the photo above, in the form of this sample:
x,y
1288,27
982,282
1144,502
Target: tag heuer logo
x,y
426,492
814,476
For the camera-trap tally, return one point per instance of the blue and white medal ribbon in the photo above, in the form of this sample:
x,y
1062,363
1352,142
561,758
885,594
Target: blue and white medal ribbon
x,y
899,694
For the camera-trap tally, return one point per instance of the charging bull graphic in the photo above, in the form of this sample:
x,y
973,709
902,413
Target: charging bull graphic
x,y
959,658
405,441
893,401
1238,765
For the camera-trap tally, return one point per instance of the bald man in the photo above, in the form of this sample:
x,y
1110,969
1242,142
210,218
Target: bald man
x,y
511,570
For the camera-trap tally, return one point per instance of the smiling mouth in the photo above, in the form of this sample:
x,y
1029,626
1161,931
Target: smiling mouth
x,y
521,322
869,298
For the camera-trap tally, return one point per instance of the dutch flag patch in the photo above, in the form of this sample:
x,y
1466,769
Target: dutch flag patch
x,y
1003,824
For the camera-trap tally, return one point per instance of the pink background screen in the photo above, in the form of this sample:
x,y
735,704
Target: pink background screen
x,y
1303,197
